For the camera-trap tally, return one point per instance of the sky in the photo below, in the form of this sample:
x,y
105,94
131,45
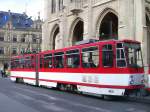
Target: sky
x,y
31,7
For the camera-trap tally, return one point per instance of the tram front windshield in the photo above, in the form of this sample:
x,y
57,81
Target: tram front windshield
x,y
134,55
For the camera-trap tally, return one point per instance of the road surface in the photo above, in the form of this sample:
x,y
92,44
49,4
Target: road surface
x,y
24,98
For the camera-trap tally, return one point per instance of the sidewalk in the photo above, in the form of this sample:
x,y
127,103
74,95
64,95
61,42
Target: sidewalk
x,y
145,99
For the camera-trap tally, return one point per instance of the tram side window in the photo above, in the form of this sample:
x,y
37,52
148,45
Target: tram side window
x,y
90,57
22,62
121,61
32,61
139,57
59,60
134,56
107,55
41,61
16,63
13,64
28,62
73,58
48,61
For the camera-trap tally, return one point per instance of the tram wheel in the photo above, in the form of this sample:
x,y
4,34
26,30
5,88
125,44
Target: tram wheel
x,y
74,88
108,97
19,80
67,87
61,87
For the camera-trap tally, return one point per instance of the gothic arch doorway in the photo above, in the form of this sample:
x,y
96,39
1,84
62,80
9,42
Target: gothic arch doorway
x,y
109,27
77,34
55,35
148,38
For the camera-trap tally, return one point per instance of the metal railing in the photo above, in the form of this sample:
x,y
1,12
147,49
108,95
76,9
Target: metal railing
x,y
108,36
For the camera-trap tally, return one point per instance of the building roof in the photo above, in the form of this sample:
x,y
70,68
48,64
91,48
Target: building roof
x,y
17,20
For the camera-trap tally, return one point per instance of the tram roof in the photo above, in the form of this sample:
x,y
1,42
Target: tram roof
x,y
112,41
18,56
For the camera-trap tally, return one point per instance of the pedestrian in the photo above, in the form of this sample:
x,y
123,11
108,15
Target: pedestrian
x,y
2,72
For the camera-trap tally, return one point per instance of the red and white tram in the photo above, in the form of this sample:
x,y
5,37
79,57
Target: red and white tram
x,y
148,86
110,67
23,68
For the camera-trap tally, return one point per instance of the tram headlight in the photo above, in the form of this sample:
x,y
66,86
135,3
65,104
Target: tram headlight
x,y
143,79
131,80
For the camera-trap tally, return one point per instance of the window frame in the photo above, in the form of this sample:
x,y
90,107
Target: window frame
x,y
66,57
61,64
61,2
53,6
2,38
112,50
14,51
44,60
123,49
98,50
2,51
23,40
31,63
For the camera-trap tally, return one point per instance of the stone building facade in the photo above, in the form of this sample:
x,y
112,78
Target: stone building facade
x,y
69,21
18,32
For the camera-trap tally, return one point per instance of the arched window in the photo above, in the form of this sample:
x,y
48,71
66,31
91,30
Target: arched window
x,y
109,27
78,32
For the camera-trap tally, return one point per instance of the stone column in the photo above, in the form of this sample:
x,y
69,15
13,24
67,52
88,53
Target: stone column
x,y
132,23
57,6
60,38
47,9
126,19
140,19
64,30
90,20
141,28
46,45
